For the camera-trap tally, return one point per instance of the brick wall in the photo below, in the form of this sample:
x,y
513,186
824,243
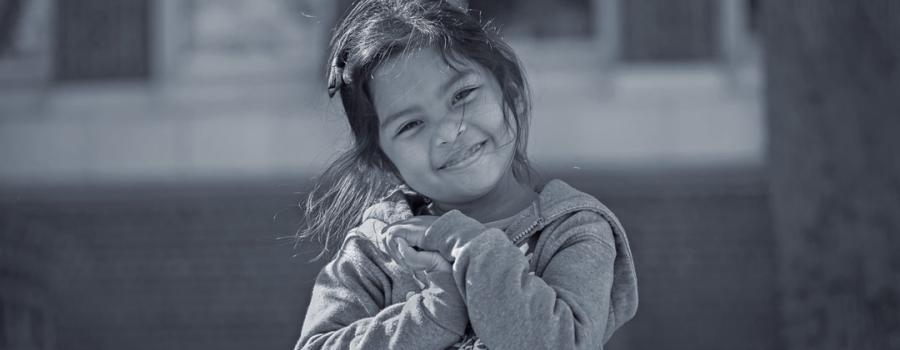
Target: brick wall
x,y
704,253
202,268
169,268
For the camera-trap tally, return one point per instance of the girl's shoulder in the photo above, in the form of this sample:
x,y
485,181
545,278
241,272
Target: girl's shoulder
x,y
564,207
557,198
579,225
356,256
359,248
362,242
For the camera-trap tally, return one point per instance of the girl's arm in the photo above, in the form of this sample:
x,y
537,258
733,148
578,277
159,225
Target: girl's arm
x,y
509,308
348,310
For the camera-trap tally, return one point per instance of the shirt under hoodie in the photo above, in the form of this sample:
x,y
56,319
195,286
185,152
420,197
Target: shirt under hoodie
x,y
574,290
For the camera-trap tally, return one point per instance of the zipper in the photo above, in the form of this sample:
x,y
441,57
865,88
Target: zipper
x,y
517,238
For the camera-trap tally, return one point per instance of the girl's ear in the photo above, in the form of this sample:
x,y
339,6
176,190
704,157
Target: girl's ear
x,y
519,104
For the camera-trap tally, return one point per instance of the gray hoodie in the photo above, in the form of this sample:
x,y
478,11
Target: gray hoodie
x,y
579,287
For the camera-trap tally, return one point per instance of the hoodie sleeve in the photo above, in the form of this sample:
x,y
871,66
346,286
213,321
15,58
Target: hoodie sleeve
x,y
509,308
348,310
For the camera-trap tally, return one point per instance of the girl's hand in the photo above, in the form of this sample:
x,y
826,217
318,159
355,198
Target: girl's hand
x,y
402,238
412,230
423,261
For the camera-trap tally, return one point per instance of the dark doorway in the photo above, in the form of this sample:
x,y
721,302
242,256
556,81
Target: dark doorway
x,y
662,30
102,39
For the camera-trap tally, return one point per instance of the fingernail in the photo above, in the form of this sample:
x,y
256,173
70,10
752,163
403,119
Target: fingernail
x,y
402,246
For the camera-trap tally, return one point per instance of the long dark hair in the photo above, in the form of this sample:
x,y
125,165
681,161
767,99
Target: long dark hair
x,y
370,34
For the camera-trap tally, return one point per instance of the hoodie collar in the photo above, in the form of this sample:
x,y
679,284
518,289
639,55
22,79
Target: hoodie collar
x,y
556,199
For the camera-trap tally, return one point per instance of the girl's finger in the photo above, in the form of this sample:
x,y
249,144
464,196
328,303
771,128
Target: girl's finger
x,y
421,278
411,233
418,220
391,245
397,253
390,237
426,261
407,254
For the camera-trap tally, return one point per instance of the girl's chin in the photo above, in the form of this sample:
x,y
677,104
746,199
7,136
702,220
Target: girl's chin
x,y
465,191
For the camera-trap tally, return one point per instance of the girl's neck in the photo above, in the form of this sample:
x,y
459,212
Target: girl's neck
x,y
506,199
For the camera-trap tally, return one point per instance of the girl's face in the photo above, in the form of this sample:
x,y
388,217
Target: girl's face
x,y
443,127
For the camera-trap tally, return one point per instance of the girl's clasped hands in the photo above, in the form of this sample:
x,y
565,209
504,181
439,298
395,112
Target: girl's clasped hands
x,y
404,240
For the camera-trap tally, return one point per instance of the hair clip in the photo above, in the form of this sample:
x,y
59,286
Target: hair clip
x,y
338,75
462,4
335,76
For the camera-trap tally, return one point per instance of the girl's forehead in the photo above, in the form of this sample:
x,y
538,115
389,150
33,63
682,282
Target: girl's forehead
x,y
417,75
423,62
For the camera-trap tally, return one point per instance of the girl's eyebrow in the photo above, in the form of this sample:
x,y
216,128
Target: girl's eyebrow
x,y
408,110
459,75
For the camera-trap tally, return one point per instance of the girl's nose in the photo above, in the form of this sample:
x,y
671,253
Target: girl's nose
x,y
450,130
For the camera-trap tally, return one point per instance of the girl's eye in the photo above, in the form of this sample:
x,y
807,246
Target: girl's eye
x,y
462,95
407,126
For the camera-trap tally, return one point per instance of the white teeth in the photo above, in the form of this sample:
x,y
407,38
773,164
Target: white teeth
x,y
469,153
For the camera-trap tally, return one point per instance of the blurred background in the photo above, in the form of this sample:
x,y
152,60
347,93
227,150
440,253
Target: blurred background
x,y
153,152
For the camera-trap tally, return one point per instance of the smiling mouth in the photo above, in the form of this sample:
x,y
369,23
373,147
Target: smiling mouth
x,y
460,157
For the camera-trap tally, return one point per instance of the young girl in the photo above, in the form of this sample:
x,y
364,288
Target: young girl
x,y
448,244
